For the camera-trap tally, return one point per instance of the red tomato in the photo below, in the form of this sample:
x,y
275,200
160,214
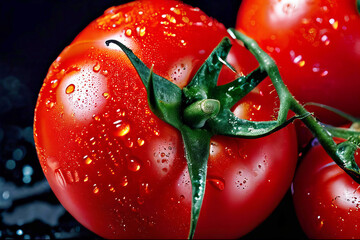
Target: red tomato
x,y
120,170
316,45
326,199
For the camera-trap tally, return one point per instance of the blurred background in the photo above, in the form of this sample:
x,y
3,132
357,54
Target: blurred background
x,y
33,33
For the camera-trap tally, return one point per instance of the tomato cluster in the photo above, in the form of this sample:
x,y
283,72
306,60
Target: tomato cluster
x,y
122,172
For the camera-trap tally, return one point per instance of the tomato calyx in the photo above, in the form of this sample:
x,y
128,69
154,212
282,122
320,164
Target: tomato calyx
x,y
358,5
201,110
342,153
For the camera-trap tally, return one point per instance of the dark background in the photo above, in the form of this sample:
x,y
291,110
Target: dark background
x,y
32,34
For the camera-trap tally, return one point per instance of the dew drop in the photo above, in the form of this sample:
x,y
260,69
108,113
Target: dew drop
x,y
88,160
49,104
144,188
60,178
96,190
124,181
122,129
97,67
133,165
106,95
70,89
54,83
140,141
128,32
96,118
218,183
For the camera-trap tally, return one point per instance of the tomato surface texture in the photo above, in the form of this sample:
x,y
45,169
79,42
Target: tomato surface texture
x,y
315,45
326,199
120,170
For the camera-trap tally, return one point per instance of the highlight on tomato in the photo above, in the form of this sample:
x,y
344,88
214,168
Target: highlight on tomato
x,y
315,45
116,152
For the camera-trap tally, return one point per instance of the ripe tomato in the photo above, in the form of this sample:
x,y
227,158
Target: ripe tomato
x,y
326,199
120,170
316,44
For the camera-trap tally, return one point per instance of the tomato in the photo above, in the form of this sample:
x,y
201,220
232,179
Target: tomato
x,y
315,44
326,199
120,170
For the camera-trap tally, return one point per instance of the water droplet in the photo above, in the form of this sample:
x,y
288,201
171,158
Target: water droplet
x,y
324,73
140,141
141,31
70,89
49,104
96,190
133,165
96,118
334,23
106,95
217,183
124,181
88,160
60,178
128,32
144,188
122,129
54,83
97,67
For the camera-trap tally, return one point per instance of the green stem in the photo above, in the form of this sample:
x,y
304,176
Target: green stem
x,y
358,5
199,112
340,154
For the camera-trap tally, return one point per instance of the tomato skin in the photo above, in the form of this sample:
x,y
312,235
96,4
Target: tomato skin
x,y
120,170
315,45
326,199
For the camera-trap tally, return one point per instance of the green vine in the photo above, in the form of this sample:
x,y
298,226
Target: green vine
x,y
343,153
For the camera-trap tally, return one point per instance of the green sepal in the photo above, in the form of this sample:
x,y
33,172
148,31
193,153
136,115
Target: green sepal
x,y
229,94
197,165
358,5
141,68
226,123
164,97
205,79
346,152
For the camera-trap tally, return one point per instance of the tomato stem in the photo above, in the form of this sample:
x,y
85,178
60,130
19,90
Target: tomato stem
x,y
358,5
342,154
199,112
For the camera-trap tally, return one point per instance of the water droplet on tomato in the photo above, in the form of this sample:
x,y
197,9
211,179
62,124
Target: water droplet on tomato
x,y
60,178
133,165
124,181
140,142
54,83
97,67
218,183
128,32
122,129
141,31
70,89
88,160
144,188
49,104
96,190
106,95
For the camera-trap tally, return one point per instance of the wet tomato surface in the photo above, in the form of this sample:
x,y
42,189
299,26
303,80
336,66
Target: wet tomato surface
x,y
315,44
120,170
326,199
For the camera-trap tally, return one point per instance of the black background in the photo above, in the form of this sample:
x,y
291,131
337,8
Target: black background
x,y
32,34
